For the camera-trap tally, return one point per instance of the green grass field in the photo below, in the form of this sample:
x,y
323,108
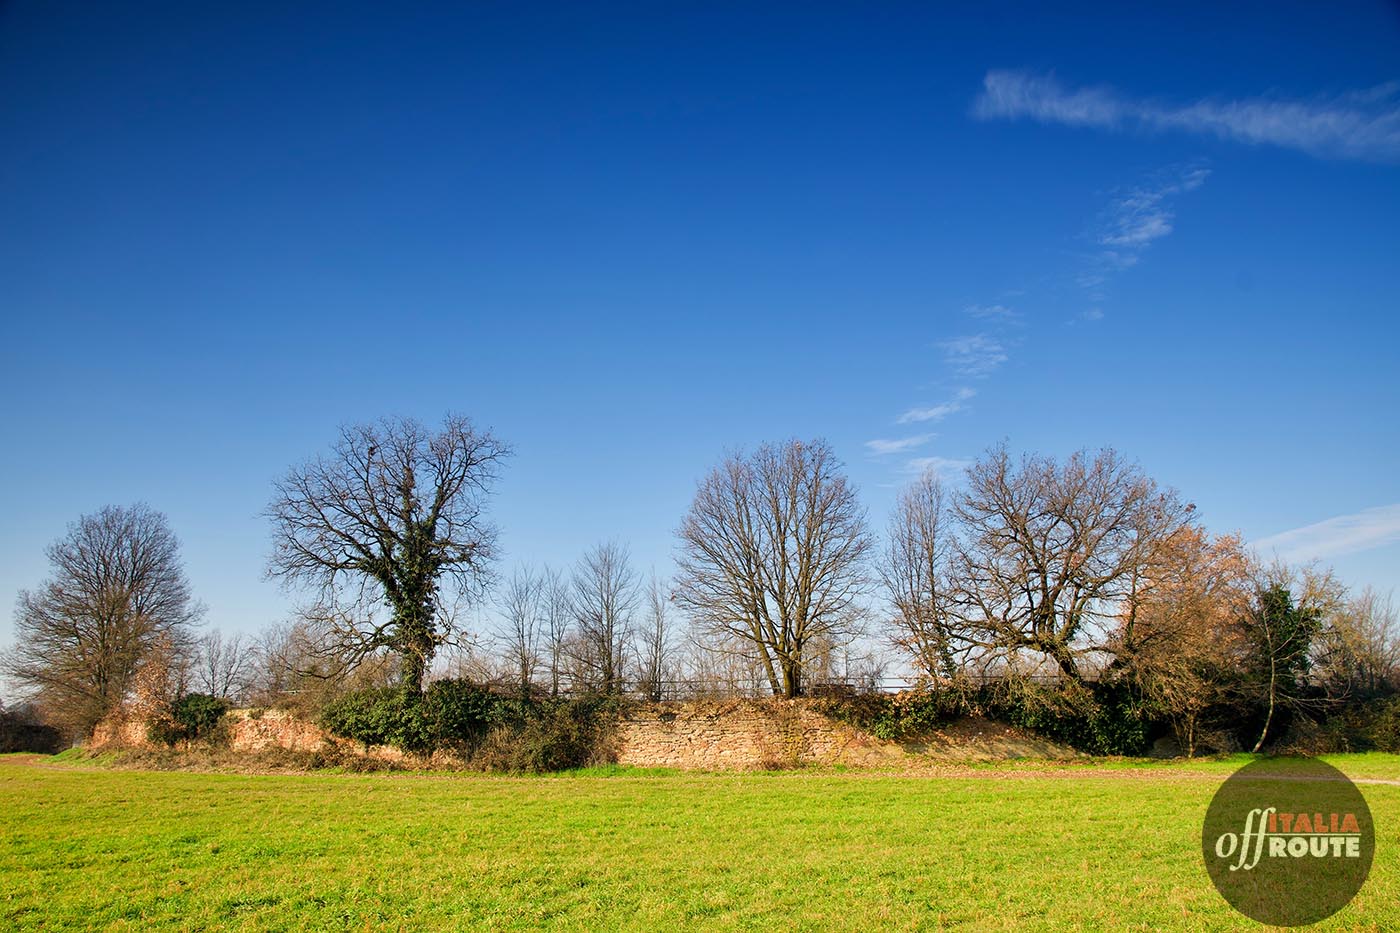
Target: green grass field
x,y
1093,847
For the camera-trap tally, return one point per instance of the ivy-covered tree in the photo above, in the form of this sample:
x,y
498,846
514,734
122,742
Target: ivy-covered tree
x,y
389,532
1281,630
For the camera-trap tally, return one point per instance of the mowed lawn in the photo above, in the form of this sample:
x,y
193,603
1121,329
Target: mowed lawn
x,y
1080,848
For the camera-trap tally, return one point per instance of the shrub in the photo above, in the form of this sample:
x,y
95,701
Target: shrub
x,y
1102,719
192,716
1370,726
22,731
1384,728
198,713
901,715
551,735
452,713
380,716
500,734
458,712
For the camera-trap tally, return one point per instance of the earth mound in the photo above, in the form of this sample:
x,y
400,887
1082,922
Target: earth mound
x,y
975,738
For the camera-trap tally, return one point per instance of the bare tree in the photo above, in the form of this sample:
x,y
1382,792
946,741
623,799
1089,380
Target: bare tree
x,y
279,656
1358,651
917,573
389,530
773,553
1050,552
557,602
223,667
523,613
863,671
117,593
1373,630
291,665
715,664
604,602
656,647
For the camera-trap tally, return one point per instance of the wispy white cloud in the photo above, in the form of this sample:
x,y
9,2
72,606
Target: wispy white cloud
x,y
1013,94
1132,221
1359,125
976,355
1139,230
991,312
881,448
943,466
1345,534
1145,214
937,412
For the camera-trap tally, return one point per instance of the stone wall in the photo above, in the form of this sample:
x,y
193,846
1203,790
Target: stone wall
x,y
248,731
728,735
736,735
119,732
259,730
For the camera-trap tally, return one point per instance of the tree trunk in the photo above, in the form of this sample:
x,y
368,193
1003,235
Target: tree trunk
x,y
412,668
792,679
1268,718
1065,660
1273,691
769,669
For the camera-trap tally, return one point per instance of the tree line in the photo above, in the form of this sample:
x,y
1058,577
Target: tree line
x,y
1083,572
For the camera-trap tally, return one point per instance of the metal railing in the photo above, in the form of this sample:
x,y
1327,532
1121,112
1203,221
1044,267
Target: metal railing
x,y
703,689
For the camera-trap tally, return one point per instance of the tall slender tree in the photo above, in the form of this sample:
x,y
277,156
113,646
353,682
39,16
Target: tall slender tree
x,y
916,569
604,603
1281,626
557,604
773,554
655,641
524,620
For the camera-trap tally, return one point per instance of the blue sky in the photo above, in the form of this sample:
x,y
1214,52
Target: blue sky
x,y
629,238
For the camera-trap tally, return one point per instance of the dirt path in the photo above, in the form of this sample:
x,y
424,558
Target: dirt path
x,y
1089,771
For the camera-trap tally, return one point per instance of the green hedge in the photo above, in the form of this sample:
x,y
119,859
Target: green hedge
x,y
493,732
450,714
1373,725
1102,719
